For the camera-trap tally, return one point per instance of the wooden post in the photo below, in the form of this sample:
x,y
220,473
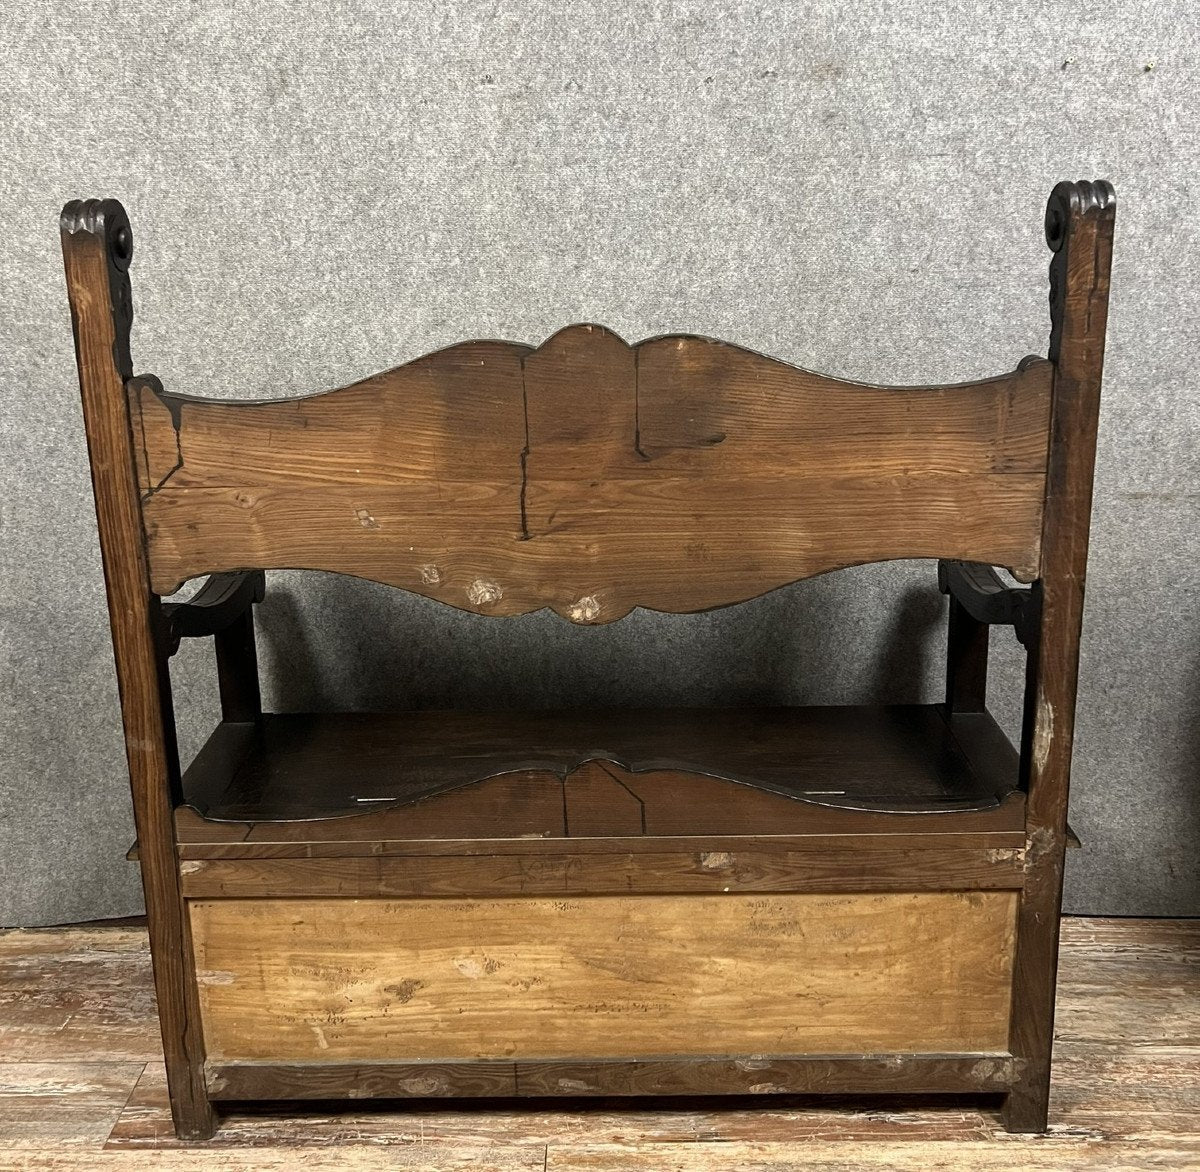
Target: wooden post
x,y
966,661
97,248
237,669
1079,230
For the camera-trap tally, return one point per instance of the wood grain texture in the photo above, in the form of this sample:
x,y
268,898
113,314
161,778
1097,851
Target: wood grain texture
x,y
62,1104
423,830
819,868
1080,219
1126,1089
498,1078
97,245
789,1120
420,1157
604,976
759,1156
904,758
77,996
602,820
591,476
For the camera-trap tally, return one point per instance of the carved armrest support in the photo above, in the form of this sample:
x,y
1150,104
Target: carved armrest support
x,y
984,596
215,606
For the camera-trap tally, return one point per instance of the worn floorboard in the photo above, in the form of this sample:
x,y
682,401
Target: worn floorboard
x,y
82,1087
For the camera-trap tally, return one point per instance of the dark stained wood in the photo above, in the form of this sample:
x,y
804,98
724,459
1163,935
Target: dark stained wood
x,y
600,800
216,605
526,814
983,594
904,758
813,867
219,758
749,1074
480,1078
1079,229
756,1075
592,477
457,824
222,609
237,670
97,245
966,661
978,599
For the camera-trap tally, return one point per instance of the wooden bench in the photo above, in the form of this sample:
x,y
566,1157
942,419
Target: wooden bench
x,y
591,902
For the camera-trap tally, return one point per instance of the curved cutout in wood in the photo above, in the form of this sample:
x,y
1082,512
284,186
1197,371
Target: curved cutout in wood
x,y
592,476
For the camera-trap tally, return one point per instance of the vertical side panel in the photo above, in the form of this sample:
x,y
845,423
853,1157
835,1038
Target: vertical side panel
x,y
1079,229
97,248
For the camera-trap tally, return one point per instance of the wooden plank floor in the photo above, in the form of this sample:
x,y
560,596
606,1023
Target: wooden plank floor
x,y
81,1086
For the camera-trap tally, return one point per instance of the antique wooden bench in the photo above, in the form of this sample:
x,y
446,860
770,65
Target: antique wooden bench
x,y
823,899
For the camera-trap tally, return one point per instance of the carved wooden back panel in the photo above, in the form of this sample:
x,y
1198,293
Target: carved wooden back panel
x,y
592,476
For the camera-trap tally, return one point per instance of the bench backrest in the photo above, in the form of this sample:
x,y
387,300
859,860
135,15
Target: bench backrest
x,y
586,475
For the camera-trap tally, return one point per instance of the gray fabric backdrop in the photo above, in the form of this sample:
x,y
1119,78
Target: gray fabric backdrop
x,y
320,190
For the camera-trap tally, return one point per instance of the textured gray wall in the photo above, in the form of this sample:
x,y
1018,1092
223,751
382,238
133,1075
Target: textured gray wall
x,y
320,190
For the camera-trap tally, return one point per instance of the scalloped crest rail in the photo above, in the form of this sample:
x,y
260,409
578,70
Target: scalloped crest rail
x,y
592,476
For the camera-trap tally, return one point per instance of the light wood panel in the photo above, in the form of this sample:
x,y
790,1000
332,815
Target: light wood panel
x,y
1126,1089
592,476
604,976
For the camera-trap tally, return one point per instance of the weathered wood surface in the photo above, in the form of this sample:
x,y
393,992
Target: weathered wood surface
x,y
77,995
604,976
816,868
528,819
1080,220
548,1078
316,765
591,476
603,830
62,1104
97,246
1126,1091
460,1158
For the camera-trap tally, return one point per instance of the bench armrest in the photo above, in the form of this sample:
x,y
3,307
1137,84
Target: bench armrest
x,y
214,607
984,596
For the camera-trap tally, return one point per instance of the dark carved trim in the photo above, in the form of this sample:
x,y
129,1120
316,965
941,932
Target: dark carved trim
x,y
216,606
985,597
107,219
1068,199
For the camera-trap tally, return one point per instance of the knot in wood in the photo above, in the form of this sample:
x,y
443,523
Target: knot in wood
x,y
586,610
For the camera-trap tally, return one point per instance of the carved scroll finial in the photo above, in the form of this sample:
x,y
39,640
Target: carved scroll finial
x,y
1069,201
105,221
105,218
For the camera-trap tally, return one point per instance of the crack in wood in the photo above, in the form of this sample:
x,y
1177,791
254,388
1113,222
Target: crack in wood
x,y
525,535
174,408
